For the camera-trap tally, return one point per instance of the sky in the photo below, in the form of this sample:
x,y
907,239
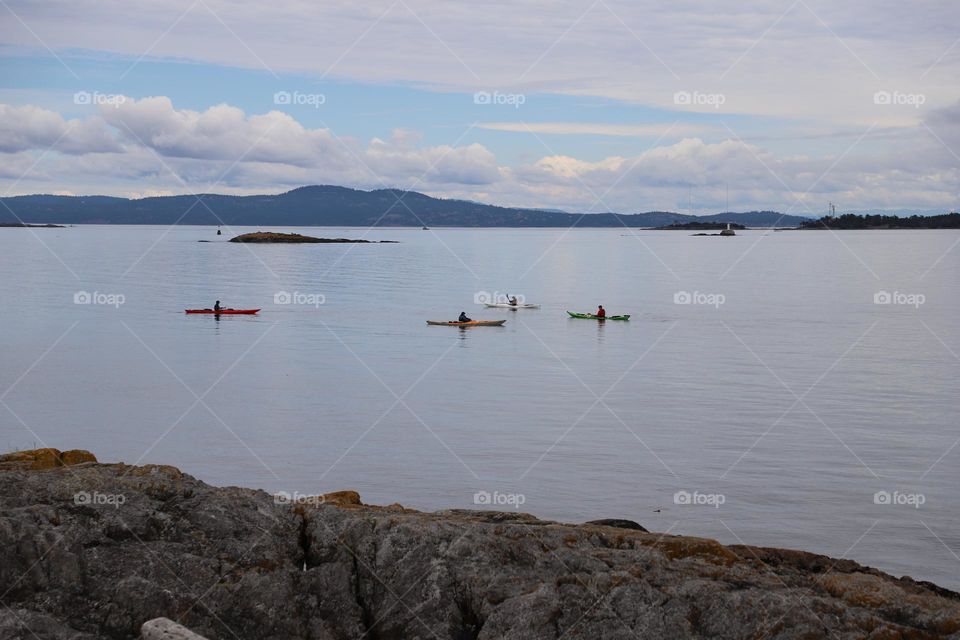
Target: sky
x,y
583,106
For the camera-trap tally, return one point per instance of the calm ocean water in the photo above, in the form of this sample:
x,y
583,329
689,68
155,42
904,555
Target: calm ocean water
x,y
785,405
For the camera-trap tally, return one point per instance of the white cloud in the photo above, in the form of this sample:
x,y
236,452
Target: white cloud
x,y
810,60
30,127
600,128
148,146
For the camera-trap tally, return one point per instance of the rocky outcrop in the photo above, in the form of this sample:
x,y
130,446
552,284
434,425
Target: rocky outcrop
x,y
97,550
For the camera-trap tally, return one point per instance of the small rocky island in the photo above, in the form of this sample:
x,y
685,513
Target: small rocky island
x,y
701,226
26,225
296,238
91,550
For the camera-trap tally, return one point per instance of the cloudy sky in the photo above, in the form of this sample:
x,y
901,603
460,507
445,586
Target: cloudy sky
x,y
589,106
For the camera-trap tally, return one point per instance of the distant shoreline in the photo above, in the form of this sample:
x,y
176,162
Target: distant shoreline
x,y
853,222
337,206
811,227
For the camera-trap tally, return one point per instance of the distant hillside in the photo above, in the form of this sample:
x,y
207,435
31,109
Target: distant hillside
x,y
337,206
852,221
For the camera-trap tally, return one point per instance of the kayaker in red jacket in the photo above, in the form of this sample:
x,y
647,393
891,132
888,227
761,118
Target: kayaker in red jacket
x,y
600,312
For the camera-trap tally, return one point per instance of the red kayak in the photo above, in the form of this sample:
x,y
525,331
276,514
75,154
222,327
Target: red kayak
x,y
224,312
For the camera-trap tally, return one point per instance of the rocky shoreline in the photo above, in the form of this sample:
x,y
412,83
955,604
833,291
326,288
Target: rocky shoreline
x,y
92,550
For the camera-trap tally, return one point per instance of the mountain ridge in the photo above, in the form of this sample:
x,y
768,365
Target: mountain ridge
x,y
333,205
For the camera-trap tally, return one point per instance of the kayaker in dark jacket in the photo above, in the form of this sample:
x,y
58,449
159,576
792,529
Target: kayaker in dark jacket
x,y
512,301
216,307
463,317
600,312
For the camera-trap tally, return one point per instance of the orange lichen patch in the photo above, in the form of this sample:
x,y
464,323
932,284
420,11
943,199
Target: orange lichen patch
x,y
34,459
876,592
341,498
46,458
682,547
77,456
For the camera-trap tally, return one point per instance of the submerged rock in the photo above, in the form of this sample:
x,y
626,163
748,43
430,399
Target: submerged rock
x,y
151,542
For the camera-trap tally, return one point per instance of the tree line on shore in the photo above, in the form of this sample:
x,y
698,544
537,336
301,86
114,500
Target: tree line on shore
x,y
854,221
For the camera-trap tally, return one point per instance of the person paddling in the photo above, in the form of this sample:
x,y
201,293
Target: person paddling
x,y
512,300
463,317
601,313
217,306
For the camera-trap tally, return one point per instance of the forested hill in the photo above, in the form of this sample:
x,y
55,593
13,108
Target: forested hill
x,y
854,221
337,206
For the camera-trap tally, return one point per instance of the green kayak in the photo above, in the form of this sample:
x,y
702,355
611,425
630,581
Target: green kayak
x,y
590,316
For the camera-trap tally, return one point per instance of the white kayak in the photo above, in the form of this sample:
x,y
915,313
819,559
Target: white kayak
x,y
506,305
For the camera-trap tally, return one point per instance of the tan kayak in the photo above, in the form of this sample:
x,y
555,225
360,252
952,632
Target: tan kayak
x,y
472,323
